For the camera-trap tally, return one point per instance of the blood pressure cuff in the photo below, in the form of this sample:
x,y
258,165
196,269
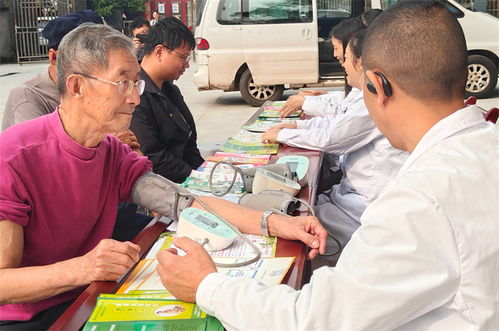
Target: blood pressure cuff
x,y
161,195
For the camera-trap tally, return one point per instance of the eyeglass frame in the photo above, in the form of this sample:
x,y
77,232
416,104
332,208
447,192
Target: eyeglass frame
x,y
184,57
139,84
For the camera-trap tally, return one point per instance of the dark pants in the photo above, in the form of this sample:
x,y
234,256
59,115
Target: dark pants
x,y
41,321
328,177
128,222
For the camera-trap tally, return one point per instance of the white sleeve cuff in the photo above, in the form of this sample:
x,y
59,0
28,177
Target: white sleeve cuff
x,y
285,135
206,290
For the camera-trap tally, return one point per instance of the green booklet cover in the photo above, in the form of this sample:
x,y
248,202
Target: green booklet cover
x,y
263,124
122,312
235,146
275,113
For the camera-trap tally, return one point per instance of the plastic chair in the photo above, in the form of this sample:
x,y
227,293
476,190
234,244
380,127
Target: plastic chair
x,y
492,115
470,101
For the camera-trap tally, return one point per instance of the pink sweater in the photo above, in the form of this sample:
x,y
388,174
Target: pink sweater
x,y
64,195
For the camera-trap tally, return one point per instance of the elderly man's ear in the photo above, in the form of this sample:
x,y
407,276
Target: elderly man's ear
x,y
74,86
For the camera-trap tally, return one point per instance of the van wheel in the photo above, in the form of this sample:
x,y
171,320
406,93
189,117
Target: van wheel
x,y
256,95
482,76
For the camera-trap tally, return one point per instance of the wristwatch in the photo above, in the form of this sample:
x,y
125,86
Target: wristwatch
x,y
264,223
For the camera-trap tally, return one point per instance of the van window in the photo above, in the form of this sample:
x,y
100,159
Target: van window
x,y
387,3
200,9
277,11
229,12
334,8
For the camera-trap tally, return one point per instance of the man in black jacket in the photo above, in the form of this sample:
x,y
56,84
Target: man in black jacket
x,y
162,122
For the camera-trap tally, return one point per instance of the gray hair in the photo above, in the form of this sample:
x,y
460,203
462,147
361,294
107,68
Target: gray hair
x,y
86,50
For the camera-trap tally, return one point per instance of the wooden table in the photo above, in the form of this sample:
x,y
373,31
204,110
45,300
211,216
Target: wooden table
x,y
78,313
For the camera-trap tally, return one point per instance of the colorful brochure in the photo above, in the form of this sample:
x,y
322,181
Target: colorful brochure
x,y
248,136
275,113
118,312
273,105
203,185
238,249
272,110
235,158
262,125
222,178
235,146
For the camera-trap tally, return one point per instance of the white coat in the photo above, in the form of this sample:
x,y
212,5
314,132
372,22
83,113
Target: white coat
x,y
425,258
331,103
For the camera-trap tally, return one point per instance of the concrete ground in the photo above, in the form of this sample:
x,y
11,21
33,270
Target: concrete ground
x,y
218,114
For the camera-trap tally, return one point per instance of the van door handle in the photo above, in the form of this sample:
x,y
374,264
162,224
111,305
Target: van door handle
x,y
309,34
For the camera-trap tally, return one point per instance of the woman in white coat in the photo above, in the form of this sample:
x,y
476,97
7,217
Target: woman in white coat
x,y
366,158
320,102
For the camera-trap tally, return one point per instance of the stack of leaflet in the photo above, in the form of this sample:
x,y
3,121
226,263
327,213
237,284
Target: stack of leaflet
x,y
199,179
234,158
270,116
272,110
236,146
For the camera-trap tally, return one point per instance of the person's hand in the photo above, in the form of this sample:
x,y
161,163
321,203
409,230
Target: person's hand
x,y
128,137
109,260
181,275
137,43
307,229
270,136
294,102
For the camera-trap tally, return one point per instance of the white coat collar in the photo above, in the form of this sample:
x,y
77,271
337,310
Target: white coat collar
x,y
461,120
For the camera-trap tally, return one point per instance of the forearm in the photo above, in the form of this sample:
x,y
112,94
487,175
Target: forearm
x,y
247,220
30,284
300,138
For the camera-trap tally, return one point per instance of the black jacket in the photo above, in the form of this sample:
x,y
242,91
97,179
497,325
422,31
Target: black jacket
x,y
165,129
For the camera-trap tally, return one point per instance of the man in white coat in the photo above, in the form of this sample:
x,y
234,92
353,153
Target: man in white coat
x,y
427,253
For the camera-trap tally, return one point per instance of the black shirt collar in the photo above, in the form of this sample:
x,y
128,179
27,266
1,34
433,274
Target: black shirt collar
x,y
150,86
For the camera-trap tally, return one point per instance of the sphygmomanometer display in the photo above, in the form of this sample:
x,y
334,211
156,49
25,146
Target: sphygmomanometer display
x,y
206,220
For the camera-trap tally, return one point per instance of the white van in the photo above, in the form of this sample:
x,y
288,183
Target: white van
x,y
261,47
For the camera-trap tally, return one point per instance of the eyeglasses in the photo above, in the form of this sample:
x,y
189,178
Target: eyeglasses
x,y
184,57
125,87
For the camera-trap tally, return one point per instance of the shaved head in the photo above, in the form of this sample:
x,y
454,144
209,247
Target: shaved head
x,y
419,46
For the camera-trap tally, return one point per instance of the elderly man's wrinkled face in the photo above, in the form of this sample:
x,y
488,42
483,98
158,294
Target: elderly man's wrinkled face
x,y
112,105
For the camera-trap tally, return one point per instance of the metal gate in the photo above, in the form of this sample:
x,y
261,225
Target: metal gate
x,y
30,17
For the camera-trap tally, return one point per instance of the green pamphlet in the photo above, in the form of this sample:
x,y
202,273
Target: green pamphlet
x,y
235,146
129,313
